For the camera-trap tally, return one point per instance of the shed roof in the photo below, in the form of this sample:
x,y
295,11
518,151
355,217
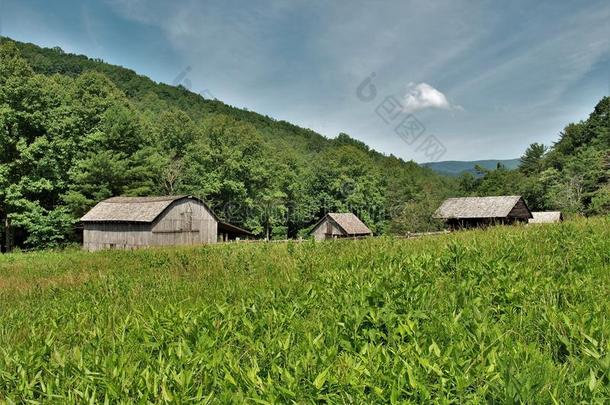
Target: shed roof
x,y
132,209
227,227
477,207
349,223
546,217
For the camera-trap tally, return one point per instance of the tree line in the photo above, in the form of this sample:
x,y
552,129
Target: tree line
x,y
74,131
572,175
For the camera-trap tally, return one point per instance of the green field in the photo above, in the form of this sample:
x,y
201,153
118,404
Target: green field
x,y
504,315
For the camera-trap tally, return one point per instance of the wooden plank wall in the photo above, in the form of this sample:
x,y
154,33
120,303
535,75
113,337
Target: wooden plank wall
x,y
185,222
519,211
326,227
175,228
97,236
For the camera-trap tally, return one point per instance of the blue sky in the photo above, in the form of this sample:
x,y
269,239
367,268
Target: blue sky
x,y
486,78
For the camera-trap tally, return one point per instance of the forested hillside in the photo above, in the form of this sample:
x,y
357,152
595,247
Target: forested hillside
x,y
74,131
572,175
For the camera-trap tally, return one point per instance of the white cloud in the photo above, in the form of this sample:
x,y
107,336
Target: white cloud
x,y
421,96
520,70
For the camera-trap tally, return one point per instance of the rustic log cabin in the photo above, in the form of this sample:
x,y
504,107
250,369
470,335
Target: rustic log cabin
x,y
470,212
546,217
339,225
136,222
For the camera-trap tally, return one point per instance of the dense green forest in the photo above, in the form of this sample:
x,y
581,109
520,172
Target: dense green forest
x,y
75,130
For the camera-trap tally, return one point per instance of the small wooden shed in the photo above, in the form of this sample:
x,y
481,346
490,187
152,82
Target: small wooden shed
x,y
339,225
546,217
135,222
469,212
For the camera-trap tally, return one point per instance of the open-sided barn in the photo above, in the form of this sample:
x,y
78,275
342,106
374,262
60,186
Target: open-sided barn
x,y
135,222
468,212
339,225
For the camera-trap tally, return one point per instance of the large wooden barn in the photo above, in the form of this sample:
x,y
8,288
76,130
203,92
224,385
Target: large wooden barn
x,y
136,222
339,225
468,212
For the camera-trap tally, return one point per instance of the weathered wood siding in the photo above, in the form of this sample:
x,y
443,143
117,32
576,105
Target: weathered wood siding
x,y
520,211
185,222
326,229
108,235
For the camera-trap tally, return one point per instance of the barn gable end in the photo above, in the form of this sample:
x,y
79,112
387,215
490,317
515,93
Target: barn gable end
x,y
326,229
520,211
334,225
185,222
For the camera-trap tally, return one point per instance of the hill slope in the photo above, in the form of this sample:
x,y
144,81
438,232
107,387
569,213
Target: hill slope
x,y
77,130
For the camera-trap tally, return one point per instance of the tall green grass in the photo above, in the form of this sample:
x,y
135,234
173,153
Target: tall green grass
x,y
512,314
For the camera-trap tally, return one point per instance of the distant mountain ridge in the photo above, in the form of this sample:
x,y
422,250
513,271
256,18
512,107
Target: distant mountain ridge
x,y
456,167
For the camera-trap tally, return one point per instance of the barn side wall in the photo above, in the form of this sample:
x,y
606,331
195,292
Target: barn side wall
x,y
467,223
185,222
325,230
109,235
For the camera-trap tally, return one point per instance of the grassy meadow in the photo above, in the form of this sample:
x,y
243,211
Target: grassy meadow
x,y
510,314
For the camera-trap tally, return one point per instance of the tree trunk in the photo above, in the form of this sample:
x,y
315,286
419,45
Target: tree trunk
x,y
8,237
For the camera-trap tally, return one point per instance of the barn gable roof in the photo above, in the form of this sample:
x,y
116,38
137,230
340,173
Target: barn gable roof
x,y
546,217
349,223
133,209
480,207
